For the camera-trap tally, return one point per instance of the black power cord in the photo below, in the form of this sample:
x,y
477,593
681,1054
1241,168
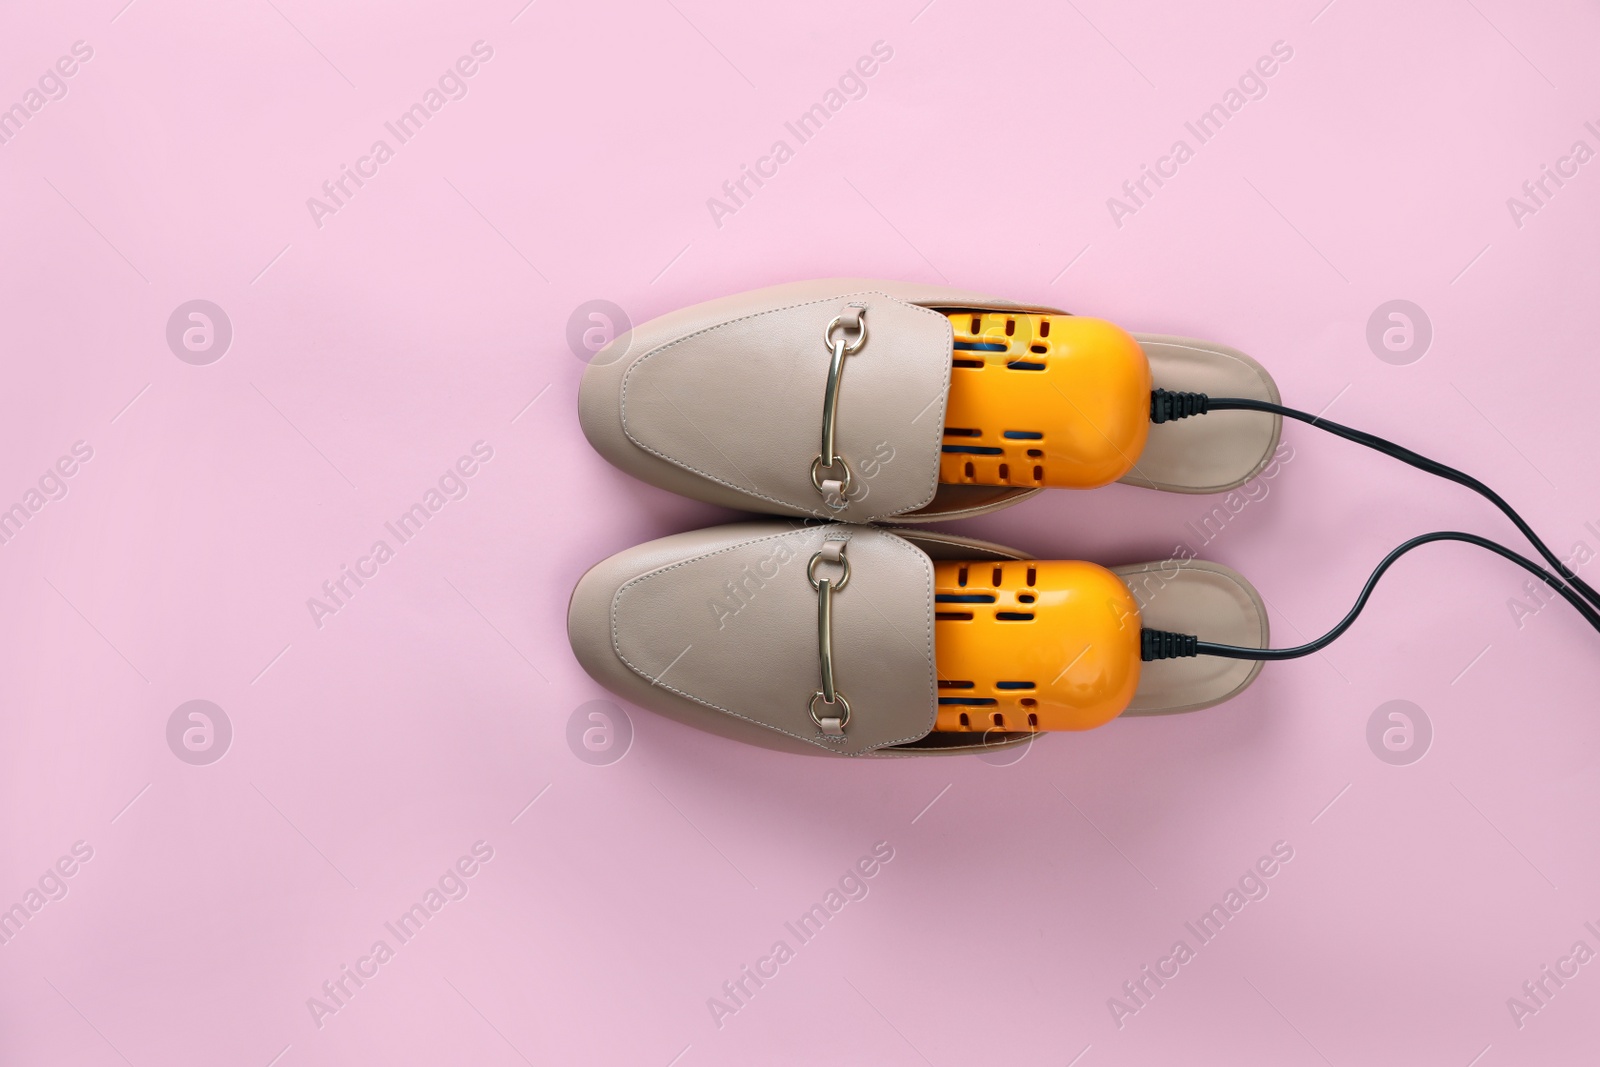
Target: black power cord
x,y
1166,406
1164,644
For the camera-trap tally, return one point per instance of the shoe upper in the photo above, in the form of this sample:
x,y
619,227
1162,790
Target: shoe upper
x,y
719,628
724,402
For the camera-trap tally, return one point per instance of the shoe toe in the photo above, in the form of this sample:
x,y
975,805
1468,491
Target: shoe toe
x,y
719,629
724,403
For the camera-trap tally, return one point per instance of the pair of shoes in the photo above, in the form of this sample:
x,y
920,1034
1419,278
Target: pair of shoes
x,y
850,405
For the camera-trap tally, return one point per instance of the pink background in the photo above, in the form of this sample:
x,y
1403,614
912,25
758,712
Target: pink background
x,y
368,354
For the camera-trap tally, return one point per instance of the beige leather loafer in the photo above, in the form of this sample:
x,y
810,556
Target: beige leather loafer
x,y
864,641
864,401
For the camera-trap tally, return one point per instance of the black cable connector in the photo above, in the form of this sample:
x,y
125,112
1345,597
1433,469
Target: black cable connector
x,y
1164,644
1167,405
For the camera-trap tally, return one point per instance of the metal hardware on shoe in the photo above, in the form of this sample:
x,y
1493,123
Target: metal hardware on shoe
x,y
832,551
832,727
829,555
841,487
853,317
825,638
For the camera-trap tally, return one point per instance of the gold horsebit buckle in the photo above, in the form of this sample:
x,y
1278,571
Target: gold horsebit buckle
x,y
834,712
834,338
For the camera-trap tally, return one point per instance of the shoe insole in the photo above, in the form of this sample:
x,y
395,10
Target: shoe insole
x,y
1032,645
1040,399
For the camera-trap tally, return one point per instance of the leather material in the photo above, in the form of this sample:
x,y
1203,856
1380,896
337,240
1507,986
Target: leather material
x,y
719,628
1211,601
741,402
1215,452
966,502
